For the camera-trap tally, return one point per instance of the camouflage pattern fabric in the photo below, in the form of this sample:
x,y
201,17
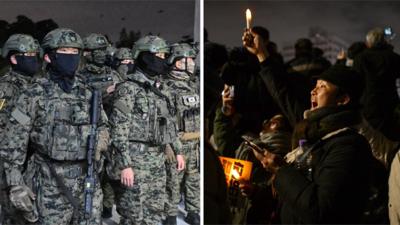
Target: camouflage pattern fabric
x,y
95,41
104,79
56,125
187,102
144,203
53,207
141,126
20,43
172,189
190,177
11,86
61,37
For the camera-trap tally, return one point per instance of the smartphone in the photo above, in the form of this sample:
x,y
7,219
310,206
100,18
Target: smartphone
x,y
252,145
388,31
231,91
389,34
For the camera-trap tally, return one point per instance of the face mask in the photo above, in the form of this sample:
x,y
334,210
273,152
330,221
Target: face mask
x,y
64,65
131,67
125,68
152,64
26,65
99,57
190,66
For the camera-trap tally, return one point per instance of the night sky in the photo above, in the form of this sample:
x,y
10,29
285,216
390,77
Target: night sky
x,y
289,20
170,19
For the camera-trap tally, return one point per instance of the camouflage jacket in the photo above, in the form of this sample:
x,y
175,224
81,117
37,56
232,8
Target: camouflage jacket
x,y
186,99
140,118
11,86
56,125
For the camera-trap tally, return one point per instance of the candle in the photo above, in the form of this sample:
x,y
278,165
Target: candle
x,y
248,19
235,174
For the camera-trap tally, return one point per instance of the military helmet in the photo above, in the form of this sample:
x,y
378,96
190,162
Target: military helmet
x,y
62,38
182,50
153,44
95,41
20,43
123,53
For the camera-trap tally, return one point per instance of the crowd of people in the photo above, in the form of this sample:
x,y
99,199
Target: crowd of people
x,y
329,134
85,126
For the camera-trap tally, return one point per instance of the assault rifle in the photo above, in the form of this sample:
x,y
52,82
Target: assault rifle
x,y
90,180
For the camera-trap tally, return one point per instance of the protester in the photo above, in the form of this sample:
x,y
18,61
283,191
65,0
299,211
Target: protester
x,y
326,179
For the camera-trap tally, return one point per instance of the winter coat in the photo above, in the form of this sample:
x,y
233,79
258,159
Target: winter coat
x,y
333,186
336,189
380,67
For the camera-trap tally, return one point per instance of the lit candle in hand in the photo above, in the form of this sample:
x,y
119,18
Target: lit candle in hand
x,y
248,19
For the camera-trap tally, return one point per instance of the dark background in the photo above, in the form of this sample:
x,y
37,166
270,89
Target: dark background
x,y
123,22
289,20
170,19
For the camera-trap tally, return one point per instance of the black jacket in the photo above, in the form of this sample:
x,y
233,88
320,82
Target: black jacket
x,y
252,102
290,93
380,67
337,188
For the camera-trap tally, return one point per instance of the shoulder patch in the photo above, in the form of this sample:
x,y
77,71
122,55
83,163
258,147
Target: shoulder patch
x,y
2,103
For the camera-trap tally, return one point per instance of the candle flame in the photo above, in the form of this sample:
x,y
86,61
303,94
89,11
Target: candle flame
x,y
248,14
235,174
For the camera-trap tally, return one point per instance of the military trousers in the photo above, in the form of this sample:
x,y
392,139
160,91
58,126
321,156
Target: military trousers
x,y
172,189
144,202
52,203
108,191
189,178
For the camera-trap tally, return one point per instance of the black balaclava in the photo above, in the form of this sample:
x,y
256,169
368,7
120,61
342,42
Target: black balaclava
x,y
125,68
26,65
62,69
152,65
97,57
109,61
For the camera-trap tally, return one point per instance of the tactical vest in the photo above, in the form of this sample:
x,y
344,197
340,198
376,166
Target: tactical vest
x,y
150,115
187,102
62,124
11,86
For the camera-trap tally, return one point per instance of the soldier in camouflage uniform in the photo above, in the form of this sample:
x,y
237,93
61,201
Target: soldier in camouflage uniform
x,y
21,52
95,73
142,127
101,77
52,115
185,95
123,62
